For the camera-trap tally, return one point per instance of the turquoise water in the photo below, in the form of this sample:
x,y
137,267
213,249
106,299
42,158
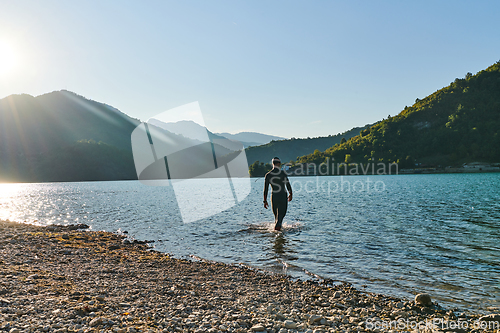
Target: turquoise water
x,y
398,235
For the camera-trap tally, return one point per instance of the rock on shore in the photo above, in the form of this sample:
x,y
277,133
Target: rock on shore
x,y
423,299
65,280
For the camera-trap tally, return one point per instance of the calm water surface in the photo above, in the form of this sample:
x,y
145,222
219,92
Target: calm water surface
x,y
398,235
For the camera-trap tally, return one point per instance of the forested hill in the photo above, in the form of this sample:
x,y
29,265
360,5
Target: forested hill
x,y
37,124
62,136
456,124
290,149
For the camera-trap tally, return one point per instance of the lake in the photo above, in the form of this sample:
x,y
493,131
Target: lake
x,y
397,235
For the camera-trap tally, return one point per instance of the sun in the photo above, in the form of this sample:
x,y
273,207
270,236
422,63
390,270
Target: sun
x,y
7,58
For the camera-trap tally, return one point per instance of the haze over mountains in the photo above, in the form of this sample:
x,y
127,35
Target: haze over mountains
x,y
190,129
251,138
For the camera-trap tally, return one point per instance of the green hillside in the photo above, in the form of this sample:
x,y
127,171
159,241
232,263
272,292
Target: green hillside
x,y
61,136
456,124
37,124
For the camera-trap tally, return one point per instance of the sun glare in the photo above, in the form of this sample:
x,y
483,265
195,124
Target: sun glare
x,y
7,58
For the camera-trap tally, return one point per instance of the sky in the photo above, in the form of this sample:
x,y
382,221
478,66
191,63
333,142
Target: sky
x,y
286,68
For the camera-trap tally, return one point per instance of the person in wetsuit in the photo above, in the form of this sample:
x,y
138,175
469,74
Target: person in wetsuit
x,y
278,180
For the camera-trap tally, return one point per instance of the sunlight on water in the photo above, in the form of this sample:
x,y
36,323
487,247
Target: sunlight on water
x,y
417,233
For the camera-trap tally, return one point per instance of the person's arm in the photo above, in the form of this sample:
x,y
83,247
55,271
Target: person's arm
x,y
289,188
266,188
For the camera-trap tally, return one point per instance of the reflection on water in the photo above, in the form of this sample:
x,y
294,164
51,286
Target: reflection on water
x,y
279,244
421,233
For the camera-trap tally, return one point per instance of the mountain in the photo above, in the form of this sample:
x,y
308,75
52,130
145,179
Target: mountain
x,y
251,138
32,125
457,124
290,149
193,130
188,129
61,136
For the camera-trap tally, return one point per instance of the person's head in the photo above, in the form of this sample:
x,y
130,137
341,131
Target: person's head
x,y
276,162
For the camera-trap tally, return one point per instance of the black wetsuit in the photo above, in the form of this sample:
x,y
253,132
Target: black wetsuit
x,y
278,180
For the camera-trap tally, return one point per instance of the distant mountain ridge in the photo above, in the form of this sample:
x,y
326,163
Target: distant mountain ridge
x,y
195,131
187,128
286,149
251,138
290,149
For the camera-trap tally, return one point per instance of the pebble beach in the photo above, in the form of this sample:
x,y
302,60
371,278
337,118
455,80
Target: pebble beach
x,y
69,279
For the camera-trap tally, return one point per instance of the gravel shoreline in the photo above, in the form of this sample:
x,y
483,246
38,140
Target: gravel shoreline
x,y
64,279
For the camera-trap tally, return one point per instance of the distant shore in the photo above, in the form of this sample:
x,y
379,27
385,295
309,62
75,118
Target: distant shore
x,y
409,172
67,279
